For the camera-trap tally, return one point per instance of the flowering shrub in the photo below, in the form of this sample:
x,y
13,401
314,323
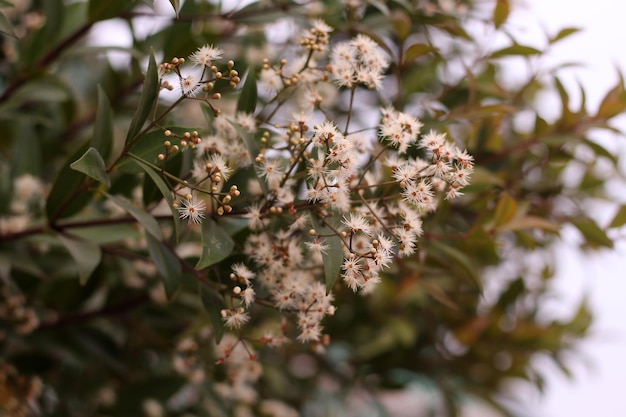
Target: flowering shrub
x,y
273,224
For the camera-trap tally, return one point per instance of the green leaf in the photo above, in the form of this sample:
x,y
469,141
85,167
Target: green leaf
x,y
213,305
501,12
167,263
529,222
216,244
6,27
176,5
54,10
516,50
248,97
447,255
67,196
165,190
103,126
102,10
149,96
506,209
333,258
563,33
253,150
417,50
148,148
401,23
92,165
613,102
592,233
620,217
86,254
143,217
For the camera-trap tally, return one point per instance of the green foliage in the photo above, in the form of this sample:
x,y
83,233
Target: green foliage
x,y
114,299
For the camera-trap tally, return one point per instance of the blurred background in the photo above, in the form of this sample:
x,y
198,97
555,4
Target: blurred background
x,y
599,373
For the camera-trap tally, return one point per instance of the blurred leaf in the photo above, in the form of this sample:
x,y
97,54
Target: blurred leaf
x,y
563,33
67,196
401,24
592,233
333,258
620,217
55,12
176,5
529,222
103,10
501,12
417,50
86,254
447,255
506,209
216,244
103,126
167,263
253,149
6,27
143,217
248,97
148,148
165,190
213,305
614,102
515,50
92,165
149,96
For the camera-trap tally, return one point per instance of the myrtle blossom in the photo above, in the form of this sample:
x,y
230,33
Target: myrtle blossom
x,y
359,60
192,210
205,55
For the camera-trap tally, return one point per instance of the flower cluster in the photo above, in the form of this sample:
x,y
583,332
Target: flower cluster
x,y
315,185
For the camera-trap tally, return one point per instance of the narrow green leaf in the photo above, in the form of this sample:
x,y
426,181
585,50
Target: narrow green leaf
x,y
613,102
417,50
176,5
506,209
66,197
167,263
448,255
101,10
501,12
563,33
592,233
92,165
6,27
216,244
147,101
213,305
103,126
529,222
165,190
516,50
142,216
248,97
620,217
86,254
148,148
333,258
54,10
253,150
401,23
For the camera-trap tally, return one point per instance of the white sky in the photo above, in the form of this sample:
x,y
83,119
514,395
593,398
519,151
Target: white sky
x,y
600,373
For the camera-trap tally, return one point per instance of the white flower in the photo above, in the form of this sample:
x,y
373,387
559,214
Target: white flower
x,y
206,55
192,210
188,86
235,319
357,223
